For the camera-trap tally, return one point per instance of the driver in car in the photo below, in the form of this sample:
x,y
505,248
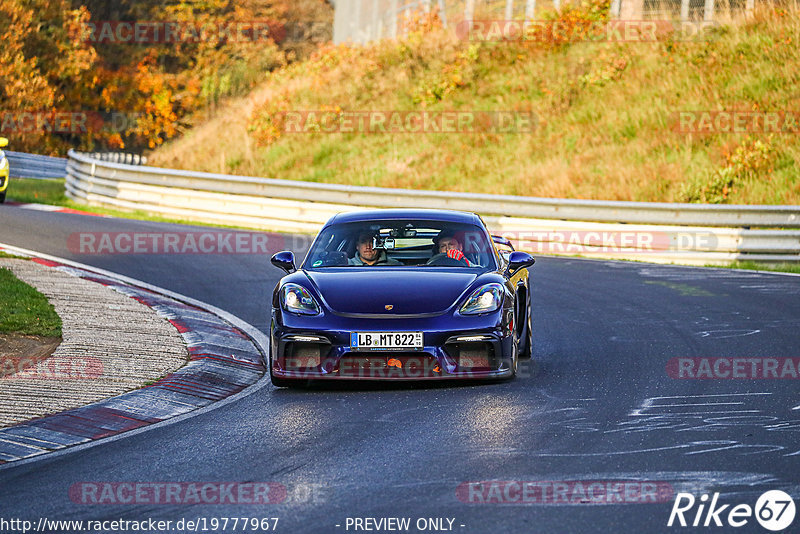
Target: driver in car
x,y
449,245
366,254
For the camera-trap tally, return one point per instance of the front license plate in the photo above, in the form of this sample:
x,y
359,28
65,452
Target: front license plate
x,y
386,340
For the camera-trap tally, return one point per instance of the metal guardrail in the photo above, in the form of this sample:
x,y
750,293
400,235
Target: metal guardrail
x,y
120,157
23,165
684,233
547,208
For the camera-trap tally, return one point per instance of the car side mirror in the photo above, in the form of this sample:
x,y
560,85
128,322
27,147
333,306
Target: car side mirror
x,y
519,260
284,260
3,142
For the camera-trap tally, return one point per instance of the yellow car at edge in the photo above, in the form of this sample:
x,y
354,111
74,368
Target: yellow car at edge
x,y
3,171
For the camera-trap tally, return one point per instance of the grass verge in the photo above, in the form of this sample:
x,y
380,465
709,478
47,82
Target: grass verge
x,y
23,310
37,191
12,256
754,266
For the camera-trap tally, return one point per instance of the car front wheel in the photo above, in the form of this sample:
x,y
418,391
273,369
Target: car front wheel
x,y
279,382
527,336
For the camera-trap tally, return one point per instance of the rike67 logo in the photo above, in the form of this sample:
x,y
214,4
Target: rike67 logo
x,y
774,510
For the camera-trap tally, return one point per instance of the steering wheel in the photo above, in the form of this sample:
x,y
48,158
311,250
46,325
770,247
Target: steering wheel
x,y
334,258
443,260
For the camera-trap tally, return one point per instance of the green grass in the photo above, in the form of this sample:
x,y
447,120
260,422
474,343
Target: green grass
x,y
606,114
754,266
23,310
37,191
7,255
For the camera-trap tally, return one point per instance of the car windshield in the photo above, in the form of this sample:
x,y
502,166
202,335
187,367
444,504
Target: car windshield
x,y
409,243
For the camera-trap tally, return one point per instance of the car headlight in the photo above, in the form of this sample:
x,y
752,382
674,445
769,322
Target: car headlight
x,y
485,299
297,299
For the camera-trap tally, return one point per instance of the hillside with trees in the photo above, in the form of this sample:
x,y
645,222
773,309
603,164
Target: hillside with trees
x,y
133,93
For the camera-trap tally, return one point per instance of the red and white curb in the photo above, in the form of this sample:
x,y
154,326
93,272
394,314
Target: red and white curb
x,y
227,358
52,208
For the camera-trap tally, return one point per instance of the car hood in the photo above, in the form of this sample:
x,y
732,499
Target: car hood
x,y
407,291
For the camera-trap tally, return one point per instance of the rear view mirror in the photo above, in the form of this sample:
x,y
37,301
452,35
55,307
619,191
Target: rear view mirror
x,y
383,242
3,142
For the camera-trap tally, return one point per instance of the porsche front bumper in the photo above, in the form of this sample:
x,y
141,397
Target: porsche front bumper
x,y
480,348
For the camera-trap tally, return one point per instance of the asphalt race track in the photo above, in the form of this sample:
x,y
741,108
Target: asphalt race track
x,y
598,405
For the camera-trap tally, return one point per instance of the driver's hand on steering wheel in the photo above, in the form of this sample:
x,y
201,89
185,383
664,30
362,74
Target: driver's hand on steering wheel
x,y
457,255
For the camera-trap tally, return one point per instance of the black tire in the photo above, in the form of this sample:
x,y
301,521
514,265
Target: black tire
x,y
527,335
285,382
279,382
513,360
2,197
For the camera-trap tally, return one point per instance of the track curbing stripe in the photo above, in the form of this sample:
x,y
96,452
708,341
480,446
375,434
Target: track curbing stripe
x,y
172,399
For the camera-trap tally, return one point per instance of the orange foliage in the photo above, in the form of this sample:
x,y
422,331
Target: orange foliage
x,y
129,95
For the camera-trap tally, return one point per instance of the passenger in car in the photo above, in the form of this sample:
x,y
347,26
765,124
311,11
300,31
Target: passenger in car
x,y
366,254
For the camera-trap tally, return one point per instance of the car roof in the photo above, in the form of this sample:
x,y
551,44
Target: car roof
x,y
391,214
